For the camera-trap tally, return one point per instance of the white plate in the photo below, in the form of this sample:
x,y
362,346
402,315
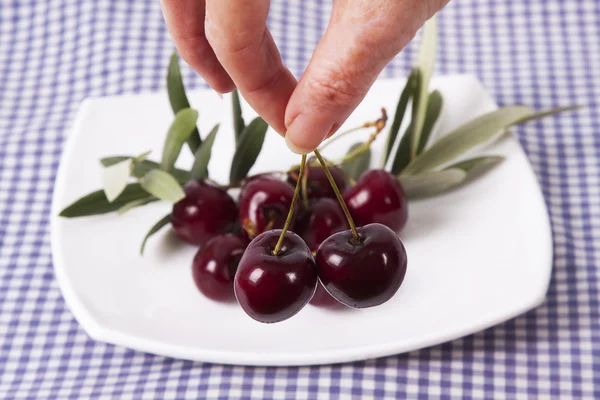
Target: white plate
x,y
477,256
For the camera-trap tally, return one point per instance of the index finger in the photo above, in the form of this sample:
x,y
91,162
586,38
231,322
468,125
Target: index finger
x,y
237,32
185,22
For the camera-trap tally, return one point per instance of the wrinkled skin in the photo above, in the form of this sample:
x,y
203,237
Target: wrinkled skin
x,y
228,44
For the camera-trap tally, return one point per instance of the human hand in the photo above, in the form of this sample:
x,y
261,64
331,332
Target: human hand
x,y
228,44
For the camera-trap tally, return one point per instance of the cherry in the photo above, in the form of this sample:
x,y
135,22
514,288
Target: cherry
x,y
378,197
317,184
264,204
322,298
363,273
272,288
323,218
205,211
215,264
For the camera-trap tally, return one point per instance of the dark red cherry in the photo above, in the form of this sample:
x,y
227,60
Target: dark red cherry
x,y
366,273
323,218
215,264
272,288
378,197
317,184
205,211
264,205
323,299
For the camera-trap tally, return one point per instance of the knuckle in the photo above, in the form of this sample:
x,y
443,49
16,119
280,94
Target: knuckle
x,y
268,82
232,42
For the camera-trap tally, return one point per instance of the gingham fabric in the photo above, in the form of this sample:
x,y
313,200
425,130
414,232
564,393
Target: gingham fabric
x,y
55,53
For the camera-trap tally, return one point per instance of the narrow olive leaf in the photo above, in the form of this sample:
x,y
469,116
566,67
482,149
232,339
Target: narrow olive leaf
x,y
179,131
356,166
248,149
164,221
431,183
402,157
426,62
202,156
546,113
477,165
142,157
142,168
238,119
163,185
465,137
135,203
178,98
114,179
405,96
434,109
96,203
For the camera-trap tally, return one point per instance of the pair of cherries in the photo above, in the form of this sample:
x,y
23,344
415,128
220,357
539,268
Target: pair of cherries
x,y
359,269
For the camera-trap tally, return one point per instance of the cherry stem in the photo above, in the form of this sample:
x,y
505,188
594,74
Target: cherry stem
x,y
378,123
340,135
340,199
288,220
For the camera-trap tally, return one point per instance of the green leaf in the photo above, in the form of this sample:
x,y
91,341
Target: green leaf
x,y
178,98
135,203
143,167
114,179
405,96
141,157
96,203
426,62
248,149
163,185
202,156
155,228
431,183
434,109
238,120
402,157
546,113
465,137
355,167
476,165
179,131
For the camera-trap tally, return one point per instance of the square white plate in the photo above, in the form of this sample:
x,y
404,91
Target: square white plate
x,y
478,255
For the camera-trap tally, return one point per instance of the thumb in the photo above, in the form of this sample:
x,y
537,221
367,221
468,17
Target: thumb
x,y
357,45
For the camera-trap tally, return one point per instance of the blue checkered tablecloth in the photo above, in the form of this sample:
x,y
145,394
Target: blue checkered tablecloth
x,y
54,53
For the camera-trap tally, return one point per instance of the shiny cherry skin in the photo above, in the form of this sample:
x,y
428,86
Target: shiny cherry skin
x,y
366,273
323,218
272,288
378,197
317,184
205,211
264,204
215,264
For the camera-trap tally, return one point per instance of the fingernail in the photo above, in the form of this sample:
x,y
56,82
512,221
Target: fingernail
x,y
219,94
292,146
306,132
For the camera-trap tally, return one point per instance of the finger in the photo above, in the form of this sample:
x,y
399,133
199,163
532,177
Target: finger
x,y
361,39
236,30
185,22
